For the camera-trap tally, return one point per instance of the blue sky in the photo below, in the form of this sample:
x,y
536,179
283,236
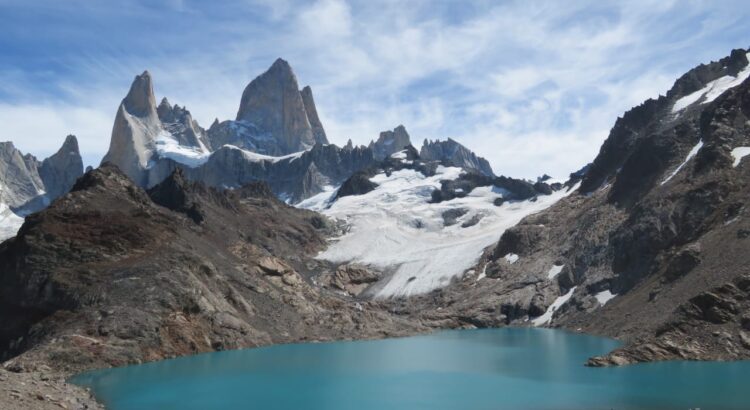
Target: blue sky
x,y
534,86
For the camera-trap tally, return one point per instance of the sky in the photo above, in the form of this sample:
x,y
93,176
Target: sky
x,y
533,86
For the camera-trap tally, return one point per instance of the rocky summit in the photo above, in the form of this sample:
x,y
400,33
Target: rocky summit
x,y
28,185
258,231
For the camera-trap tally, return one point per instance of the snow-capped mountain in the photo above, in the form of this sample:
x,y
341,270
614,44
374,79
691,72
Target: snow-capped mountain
x,y
277,137
28,185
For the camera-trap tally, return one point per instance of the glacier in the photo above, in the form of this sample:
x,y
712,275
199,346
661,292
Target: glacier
x,y
397,230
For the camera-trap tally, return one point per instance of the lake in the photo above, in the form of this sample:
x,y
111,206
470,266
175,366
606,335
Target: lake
x,y
513,368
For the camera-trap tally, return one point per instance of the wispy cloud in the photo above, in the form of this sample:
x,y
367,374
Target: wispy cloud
x,y
533,86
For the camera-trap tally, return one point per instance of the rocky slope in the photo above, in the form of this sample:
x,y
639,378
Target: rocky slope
x,y
652,248
111,274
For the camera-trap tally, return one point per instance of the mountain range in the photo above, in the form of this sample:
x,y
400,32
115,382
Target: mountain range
x,y
258,230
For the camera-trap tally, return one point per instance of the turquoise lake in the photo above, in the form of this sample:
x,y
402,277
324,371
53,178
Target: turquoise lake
x,y
515,369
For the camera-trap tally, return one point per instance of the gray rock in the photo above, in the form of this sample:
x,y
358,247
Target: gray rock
x,y
274,106
61,170
390,142
452,153
136,128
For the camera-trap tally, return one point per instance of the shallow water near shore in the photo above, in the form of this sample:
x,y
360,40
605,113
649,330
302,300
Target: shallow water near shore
x,y
512,368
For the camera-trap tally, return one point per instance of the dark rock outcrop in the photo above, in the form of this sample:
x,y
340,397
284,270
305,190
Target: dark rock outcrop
x,y
106,276
357,184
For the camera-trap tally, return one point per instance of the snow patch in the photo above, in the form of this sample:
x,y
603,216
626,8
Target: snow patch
x,y
739,153
417,259
10,223
604,296
399,155
554,271
547,316
712,90
511,258
690,156
255,157
168,147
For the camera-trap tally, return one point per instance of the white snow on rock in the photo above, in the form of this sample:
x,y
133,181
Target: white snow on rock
x,y
483,274
712,90
398,155
739,153
554,271
255,157
604,296
547,316
168,147
511,258
690,156
395,229
10,223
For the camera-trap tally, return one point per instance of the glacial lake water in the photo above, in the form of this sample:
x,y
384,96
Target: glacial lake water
x,y
514,369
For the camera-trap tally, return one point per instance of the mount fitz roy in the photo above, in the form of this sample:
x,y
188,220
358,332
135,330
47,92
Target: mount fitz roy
x,y
277,137
184,239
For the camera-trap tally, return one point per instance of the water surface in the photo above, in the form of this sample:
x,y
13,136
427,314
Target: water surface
x,y
515,369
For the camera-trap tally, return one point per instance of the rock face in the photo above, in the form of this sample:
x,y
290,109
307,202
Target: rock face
x,y
451,153
180,124
136,128
275,107
60,171
653,247
19,176
28,185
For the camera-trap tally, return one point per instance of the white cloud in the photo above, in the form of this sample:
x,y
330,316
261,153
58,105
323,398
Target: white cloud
x,y
41,129
533,86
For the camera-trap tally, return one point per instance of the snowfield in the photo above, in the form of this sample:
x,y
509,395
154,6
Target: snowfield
x,y
712,90
396,230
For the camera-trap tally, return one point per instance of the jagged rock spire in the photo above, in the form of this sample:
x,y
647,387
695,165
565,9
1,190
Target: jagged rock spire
x,y
60,171
390,142
312,115
140,100
273,104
